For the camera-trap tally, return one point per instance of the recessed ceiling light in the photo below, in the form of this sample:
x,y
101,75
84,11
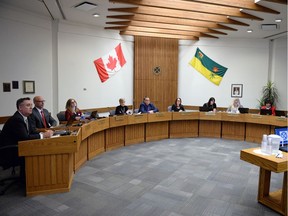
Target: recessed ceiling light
x,y
278,20
85,6
249,30
96,15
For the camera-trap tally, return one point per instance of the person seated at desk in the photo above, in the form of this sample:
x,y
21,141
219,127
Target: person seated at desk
x,y
233,108
147,107
19,128
269,106
122,108
177,106
72,110
210,105
41,116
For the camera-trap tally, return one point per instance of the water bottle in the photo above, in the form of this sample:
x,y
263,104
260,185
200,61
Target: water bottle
x,y
264,144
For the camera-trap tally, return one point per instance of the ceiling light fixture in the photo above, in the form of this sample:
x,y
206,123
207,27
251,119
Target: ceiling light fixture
x,y
85,6
278,20
249,30
96,15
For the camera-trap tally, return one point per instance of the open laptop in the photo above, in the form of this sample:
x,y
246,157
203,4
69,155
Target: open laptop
x,y
283,133
265,112
203,109
243,110
279,113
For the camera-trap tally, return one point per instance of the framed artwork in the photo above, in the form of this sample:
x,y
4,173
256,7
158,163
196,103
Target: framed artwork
x,y
15,84
237,90
28,87
6,87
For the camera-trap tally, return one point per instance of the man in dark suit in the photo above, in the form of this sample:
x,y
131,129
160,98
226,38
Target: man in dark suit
x,y
18,127
40,116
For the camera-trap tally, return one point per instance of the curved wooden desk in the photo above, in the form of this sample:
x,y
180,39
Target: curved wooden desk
x,y
51,163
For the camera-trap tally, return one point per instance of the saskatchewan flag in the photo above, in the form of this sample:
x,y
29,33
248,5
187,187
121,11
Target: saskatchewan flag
x,y
207,67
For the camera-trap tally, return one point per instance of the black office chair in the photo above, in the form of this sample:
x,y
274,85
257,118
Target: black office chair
x,y
9,159
61,116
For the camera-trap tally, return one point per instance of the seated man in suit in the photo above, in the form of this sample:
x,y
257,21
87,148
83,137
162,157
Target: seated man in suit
x,y
147,107
40,116
18,127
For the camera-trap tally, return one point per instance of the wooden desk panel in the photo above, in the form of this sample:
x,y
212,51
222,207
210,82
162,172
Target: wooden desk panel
x,y
96,144
100,124
116,121
161,116
210,116
137,119
115,138
185,115
254,132
57,145
233,130
258,119
210,129
279,121
233,117
183,128
134,134
81,156
276,200
157,131
87,130
48,173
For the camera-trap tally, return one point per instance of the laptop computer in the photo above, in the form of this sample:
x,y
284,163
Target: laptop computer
x,y
265,112
283,133
94,115
279,113
203,109
243,110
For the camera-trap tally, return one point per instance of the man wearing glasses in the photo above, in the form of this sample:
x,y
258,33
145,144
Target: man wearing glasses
x,y
41,117
147,107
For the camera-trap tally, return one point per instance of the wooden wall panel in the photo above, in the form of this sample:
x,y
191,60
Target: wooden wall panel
x,y
162,88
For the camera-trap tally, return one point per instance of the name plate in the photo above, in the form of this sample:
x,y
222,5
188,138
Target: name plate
x,y
100,121
119,118
159,114
256,116
210,113
233,114
282,118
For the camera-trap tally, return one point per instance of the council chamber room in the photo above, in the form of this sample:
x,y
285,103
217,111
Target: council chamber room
x,y
165,108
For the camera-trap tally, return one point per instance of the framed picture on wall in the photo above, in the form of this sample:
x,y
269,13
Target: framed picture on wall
x,y
237,90
28,87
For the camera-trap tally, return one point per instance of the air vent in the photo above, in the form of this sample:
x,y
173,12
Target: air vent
x,y
85,6
269,27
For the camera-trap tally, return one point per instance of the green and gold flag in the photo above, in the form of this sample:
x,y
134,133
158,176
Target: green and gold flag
x,y
207,67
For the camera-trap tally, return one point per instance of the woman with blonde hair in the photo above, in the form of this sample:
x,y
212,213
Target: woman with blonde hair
x,y
233,108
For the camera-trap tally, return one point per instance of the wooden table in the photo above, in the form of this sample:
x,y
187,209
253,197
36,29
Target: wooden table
x,y
276,200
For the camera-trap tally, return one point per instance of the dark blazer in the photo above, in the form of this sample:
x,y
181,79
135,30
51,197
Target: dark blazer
x,y
37,118
145,109
15,130
121,110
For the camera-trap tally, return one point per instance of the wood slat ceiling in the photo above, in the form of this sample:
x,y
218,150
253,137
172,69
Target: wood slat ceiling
x,y
183,19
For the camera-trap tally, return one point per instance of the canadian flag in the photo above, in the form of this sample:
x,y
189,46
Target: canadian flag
x,y
110,64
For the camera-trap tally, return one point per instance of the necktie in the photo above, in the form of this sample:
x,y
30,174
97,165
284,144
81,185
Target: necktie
x,y
27,125
43,119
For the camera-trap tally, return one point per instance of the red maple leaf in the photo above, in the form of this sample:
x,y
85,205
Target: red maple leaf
x,y
111,63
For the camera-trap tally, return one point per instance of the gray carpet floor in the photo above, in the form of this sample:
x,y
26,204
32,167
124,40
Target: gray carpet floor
x,y
172,177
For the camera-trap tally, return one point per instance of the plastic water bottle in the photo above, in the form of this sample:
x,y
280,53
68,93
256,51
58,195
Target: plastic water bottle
x,y
264,144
